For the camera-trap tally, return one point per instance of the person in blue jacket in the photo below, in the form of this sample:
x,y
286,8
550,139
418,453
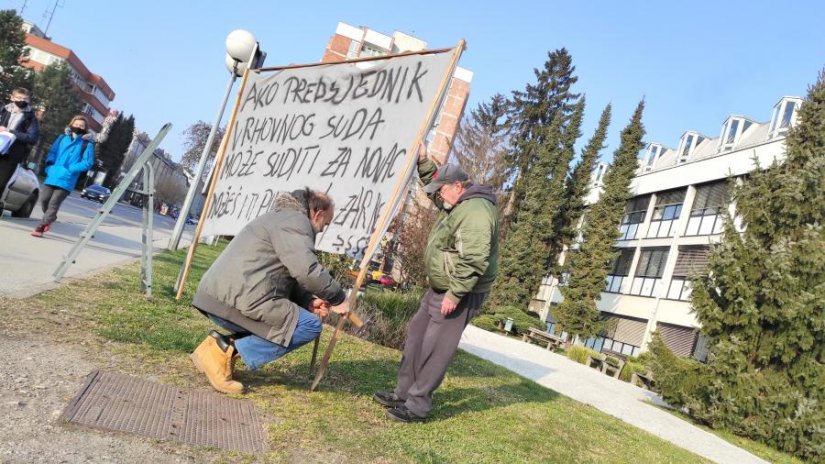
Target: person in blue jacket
x,y
69,156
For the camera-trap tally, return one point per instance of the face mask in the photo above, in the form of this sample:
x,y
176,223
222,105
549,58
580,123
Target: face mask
x,y
21,104
78,130
447,206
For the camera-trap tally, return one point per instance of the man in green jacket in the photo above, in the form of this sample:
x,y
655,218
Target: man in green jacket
x,y
461,262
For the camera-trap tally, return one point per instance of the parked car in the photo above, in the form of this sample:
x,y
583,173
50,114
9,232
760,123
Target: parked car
x,y
96,192
386,280
23,189
192,221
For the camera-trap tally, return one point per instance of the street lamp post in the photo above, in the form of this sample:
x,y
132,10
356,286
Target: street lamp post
x,y
242,51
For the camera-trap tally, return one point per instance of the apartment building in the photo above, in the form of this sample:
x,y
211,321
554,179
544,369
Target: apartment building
x,y
96,94
350,42
679,198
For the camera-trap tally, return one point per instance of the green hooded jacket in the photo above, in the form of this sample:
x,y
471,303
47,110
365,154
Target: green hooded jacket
x,y
462,248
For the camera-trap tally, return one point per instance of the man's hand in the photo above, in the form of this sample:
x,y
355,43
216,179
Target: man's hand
x,y
3,129
447,306
342,308
319,307
422,152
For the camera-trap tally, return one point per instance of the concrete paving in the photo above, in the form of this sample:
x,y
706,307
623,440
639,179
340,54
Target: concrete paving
x,y
612,396
28,262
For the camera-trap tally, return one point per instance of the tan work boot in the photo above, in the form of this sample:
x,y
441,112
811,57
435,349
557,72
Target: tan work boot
x,y
217,364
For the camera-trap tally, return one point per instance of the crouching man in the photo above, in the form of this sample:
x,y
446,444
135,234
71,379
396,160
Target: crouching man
x,y
267,289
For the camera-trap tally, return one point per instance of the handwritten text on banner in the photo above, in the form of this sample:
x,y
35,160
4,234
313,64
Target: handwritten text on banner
x,y
343,129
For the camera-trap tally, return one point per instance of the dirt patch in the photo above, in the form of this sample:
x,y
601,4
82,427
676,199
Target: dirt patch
x,y
46,355
37,380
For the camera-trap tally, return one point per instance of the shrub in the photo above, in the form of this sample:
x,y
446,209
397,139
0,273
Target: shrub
x,y
579,354
678,379
521,320
632,366
486,322
389,313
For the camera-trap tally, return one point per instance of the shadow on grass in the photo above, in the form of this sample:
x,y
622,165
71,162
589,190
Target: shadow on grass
x,y
363,378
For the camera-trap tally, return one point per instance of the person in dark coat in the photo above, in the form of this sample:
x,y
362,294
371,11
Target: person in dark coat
x,y
268,289
18,119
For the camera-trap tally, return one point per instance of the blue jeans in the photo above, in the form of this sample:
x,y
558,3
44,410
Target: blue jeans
x,y
256,351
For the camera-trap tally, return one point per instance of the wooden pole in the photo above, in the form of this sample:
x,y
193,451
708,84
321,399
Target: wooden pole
x,y
391,207
358,60
216,172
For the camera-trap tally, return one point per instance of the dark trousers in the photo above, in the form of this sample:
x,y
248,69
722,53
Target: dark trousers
x,y
432,340
50,200
7,168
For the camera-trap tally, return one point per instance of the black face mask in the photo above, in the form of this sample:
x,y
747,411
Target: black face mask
x,y
21,104
78,130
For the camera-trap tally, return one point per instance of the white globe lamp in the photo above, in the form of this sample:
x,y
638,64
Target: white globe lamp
x,y
240,44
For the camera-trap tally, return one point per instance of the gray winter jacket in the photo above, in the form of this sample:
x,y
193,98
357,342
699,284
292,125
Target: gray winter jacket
x,y
269,271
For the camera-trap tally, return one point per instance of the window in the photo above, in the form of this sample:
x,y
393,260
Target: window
x,y
354,48
686,146
371,50
620,270
690,141
621,335
649,271
783,116
733,127
706,217
665,215
654,151
692,260
598,173
634,215
786,116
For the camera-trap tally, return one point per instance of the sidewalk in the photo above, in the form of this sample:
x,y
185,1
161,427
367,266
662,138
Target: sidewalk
x,y
612,396
32,261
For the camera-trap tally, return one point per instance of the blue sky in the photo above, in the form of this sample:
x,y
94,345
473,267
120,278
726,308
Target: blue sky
x,y
694,63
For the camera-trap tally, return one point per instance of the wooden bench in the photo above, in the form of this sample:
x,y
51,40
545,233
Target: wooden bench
x,y
610,363
541,337
644,381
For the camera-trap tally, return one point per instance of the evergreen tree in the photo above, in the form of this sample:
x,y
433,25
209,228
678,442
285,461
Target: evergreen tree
x,y
12,50
577,314
555,198
481,143
577,188
525,249
539,117
762,305
531,112
55,93
111,152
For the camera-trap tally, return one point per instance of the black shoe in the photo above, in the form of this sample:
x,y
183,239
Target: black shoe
x,y
402,414
387,399
223,341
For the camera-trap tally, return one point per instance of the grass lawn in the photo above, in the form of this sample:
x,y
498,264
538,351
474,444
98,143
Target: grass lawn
x,y
483,413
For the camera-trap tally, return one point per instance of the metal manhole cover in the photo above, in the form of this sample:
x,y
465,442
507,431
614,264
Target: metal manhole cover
x,y
122,403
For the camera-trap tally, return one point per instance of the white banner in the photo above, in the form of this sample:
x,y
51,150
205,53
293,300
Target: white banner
x,y
343,129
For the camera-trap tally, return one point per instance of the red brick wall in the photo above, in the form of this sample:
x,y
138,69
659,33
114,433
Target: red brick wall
x,y
337,49
451,112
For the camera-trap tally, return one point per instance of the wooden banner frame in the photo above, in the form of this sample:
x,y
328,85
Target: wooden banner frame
x,y
386,215
390,209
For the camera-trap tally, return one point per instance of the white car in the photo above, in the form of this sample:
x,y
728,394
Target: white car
x,y
21,195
